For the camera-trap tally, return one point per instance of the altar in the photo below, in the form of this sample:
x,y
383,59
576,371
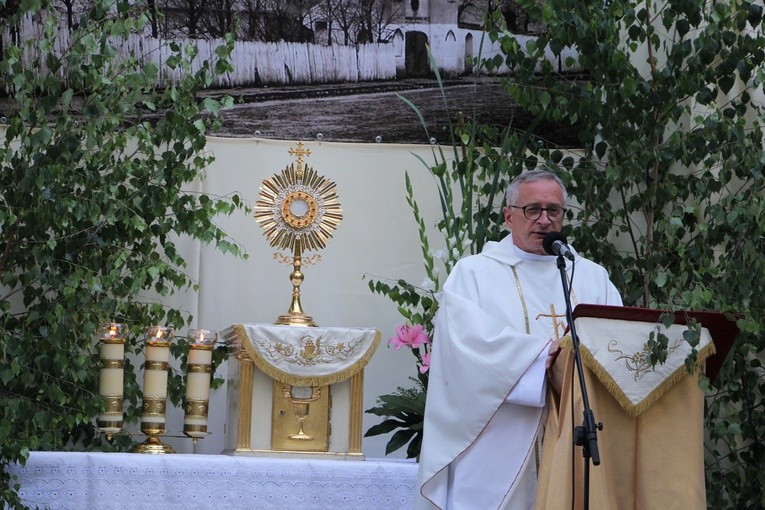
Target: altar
x,y
132,481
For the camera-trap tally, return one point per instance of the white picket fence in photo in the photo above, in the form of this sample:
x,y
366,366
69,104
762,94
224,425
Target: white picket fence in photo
x,y
255,63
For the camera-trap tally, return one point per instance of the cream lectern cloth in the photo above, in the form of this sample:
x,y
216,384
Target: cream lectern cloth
x,y
651,447
617,352
305,356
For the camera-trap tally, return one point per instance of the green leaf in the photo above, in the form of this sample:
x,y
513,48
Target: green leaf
x,y
398,440
383,428
89,196
544,99
667,319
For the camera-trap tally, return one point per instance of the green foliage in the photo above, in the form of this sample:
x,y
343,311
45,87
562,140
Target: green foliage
x,y
404,410
669,186
97,165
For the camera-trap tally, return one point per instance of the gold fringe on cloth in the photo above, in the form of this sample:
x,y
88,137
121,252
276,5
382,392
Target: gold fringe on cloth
x,y
341,359
613,387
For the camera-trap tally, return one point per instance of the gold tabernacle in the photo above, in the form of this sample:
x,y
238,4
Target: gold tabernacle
x,y
297,391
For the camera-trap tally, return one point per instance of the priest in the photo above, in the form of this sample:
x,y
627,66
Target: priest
x,y
501,315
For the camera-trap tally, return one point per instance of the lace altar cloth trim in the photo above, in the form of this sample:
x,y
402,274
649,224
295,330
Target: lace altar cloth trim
x,y
126,481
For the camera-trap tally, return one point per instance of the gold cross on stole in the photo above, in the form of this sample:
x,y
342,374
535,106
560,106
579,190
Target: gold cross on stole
x,y
556,325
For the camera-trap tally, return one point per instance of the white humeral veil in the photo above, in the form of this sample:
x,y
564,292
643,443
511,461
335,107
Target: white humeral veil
x,y
487,380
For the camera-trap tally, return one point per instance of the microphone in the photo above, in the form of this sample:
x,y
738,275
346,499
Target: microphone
x,y
554,243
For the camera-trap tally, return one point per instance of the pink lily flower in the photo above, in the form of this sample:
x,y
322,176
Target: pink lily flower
x,y
409,336
425,366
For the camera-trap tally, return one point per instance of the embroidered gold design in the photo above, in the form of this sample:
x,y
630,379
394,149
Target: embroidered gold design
x,y
558,327
638,362
196,408
309,351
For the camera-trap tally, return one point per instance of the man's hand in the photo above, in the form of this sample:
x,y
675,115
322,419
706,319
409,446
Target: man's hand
x,y
555,371
552,354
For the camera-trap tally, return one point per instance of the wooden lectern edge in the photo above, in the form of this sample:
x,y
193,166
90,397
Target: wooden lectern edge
x,y
722,326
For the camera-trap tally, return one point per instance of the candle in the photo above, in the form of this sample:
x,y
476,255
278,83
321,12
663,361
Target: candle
x,y
155,376
157,354
111,377
112,369
201,344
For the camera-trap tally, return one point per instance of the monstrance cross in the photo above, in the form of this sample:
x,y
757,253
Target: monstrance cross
x,y
299,152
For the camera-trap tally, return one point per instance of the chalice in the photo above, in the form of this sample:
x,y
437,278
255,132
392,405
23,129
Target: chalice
x,y
301,398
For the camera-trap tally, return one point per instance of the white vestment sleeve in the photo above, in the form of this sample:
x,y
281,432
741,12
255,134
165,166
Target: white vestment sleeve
x,y
531,388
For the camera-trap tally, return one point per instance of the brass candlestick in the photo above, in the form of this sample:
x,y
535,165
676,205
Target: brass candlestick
x,y
112,337
157,352
199,372
301,398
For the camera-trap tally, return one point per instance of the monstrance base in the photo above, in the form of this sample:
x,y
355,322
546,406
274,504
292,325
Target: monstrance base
x,y
295,319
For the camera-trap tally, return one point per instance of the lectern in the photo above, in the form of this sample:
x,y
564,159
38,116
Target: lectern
x,y
651,444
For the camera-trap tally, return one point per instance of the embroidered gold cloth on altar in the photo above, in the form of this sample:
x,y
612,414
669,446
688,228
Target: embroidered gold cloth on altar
x,y
617,353
306,356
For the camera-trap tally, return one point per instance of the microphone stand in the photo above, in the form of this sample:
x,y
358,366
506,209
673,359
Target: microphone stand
x,y
585,435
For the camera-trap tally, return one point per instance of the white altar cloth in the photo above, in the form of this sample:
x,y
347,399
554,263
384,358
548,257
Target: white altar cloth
x,y
126,481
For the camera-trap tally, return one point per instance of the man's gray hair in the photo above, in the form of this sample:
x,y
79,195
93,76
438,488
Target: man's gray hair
x,y
532,176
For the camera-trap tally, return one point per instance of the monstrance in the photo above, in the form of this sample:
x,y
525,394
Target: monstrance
x,y
298,210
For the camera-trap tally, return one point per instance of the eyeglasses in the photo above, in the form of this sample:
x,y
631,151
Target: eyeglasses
x,y
533,211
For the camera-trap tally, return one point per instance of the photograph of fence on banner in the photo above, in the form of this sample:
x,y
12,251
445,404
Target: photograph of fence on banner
x,y
333,70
